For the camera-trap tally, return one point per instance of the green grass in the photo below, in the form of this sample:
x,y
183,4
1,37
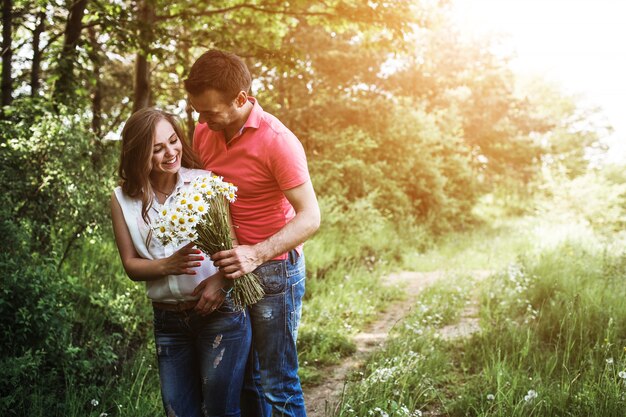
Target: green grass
x,y
553,322
551,313
344,290
344,263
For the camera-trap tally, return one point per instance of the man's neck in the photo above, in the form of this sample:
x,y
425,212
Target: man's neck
x,y
231,131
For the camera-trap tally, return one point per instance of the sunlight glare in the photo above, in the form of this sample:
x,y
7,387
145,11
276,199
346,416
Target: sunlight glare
x,y
575,43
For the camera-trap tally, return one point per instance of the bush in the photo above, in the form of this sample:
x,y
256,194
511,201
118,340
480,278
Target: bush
x,y
413,168
57,177
68,314
54,331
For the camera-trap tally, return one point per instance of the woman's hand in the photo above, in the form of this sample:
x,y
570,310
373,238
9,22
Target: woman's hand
x,y
211,293
182,261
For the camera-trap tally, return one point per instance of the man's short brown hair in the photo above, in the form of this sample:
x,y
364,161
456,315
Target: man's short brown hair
x,y
221,71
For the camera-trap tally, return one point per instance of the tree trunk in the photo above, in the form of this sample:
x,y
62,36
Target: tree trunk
x,y
145,18
191,123
96,100
73,29
96,57
142,83
37,53
189,120
7,52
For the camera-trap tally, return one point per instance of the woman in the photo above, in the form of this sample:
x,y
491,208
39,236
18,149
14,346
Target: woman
x,y
202,341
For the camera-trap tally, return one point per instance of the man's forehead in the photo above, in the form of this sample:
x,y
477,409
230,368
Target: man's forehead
x,y
210,100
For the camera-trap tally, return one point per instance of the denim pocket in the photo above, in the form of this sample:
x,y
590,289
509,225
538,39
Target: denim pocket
x,y
161,320
228,307
272,278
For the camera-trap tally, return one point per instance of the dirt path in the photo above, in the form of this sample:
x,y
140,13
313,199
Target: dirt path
x,y
323,399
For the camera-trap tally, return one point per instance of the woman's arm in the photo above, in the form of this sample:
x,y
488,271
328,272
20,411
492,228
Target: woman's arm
x,y
141,269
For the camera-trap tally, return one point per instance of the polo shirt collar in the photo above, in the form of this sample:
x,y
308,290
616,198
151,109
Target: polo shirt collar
x,y
256,115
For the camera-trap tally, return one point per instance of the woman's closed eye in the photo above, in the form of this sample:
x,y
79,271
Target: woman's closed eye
x,y
159,148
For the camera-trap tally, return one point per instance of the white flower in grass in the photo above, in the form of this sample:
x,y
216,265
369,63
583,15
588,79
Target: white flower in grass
x,y
609,361
94,402
103,415
491,397
378,412
532,394
622,374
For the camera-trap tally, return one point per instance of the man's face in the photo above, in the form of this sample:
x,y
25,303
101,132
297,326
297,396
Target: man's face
x,y
214,109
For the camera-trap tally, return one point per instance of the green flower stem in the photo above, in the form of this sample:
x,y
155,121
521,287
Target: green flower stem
x,y
214,236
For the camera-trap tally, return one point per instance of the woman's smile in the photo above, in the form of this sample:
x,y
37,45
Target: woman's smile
x,y
171,161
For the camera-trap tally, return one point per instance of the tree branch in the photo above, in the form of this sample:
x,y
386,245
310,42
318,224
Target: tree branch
x,y
242,6
69,245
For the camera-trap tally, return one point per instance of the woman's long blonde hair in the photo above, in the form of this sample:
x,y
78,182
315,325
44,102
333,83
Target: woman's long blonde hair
x,y
136,158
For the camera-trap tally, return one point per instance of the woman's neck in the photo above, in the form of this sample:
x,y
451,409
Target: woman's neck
x,y
163,183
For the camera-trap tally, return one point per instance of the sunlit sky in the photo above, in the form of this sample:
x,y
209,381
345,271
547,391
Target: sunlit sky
x,y
579,44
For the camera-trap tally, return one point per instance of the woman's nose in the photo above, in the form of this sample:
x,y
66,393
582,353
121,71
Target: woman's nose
x,y
170,150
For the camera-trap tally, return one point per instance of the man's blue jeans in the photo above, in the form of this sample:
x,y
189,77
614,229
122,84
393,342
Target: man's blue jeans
x,y
271,386
202,360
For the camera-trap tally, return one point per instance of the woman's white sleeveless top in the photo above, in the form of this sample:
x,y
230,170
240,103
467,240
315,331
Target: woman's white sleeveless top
x,y
172,288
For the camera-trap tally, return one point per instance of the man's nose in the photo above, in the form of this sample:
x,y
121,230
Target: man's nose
x,y
202,118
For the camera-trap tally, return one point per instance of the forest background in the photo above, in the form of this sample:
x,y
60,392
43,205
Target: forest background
x,y
408,125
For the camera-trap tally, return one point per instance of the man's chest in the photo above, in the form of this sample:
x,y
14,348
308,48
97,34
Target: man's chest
x,y
246,167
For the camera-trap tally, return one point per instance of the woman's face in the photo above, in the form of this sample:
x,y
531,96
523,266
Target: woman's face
x,y
167,149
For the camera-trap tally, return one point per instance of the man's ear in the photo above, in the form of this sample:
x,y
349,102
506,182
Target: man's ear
x,y
241,99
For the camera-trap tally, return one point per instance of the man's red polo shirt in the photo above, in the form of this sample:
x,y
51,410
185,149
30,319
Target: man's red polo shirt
x,y
263,159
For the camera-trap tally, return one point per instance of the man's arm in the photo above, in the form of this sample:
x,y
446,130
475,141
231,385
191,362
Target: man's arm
x,y
246,258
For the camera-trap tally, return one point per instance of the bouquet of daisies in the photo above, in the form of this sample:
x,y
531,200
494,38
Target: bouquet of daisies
x,y
200,213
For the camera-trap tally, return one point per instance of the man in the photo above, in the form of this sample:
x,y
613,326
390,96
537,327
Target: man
x,y
275,212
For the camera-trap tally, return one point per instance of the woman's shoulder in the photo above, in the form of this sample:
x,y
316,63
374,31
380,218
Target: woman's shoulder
x,y
124,199
118,193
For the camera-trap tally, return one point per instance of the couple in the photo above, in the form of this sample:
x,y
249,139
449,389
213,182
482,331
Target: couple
x,y
216,360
